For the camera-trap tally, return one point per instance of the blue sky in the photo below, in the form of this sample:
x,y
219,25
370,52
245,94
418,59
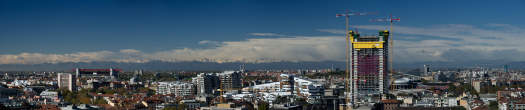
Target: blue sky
x,y
163,30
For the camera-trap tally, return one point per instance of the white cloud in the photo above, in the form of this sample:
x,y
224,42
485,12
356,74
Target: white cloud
x,y
261,50
296,49
126,55
455,42
209,43
131,51
452,42
267,34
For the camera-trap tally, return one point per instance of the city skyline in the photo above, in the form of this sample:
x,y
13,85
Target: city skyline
x,y
262,55
252,31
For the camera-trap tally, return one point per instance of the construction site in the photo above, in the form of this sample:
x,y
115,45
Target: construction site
x,y
368,73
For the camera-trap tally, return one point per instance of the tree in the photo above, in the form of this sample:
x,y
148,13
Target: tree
x,y
100,101
263,105
248,105
453,90
442,77
493,105
68,96
490,89
177,107
182,107
170,108
390,96
302,101
469,88
457,90
148,91
76,97
452,77
459,108
424,81
280,99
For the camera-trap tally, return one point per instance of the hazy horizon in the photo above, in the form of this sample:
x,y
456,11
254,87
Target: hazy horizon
x,y
41,32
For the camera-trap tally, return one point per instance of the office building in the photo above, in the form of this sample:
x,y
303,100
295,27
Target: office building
x,y
426,70
206,83
230,80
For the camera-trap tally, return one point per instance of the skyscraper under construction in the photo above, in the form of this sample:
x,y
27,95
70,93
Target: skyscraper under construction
x,y
368,66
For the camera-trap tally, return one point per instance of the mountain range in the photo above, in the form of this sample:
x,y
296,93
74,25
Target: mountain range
x,y
213,66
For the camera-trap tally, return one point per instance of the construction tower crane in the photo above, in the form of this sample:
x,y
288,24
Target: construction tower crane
x,y
348,79
390,20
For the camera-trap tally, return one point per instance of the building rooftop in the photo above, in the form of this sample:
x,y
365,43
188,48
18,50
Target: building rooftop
x,y
402,81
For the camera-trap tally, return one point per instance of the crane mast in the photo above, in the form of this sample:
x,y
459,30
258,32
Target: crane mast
x,y
391,51
391,21
348,76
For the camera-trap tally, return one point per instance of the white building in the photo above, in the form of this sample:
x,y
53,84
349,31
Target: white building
x,y
289,85
477,85
176,88
286,83
452,102
66,81
19,83
49,94
268,87
307,88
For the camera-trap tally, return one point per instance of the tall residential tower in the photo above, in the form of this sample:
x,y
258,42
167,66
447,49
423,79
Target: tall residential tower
x,y
66,81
